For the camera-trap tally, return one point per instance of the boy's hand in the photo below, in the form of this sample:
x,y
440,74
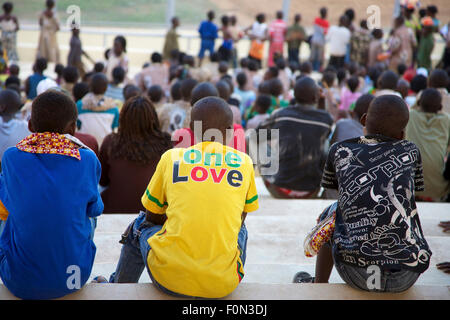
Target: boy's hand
x,y
444,266
445,225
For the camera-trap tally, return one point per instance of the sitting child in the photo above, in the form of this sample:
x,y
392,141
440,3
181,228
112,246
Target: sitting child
x,y
261,106
70,76
12,130
156,95
185,138
32,81
348,128
115,88
98,115
377,243
349,93
192,238
46,248
429,129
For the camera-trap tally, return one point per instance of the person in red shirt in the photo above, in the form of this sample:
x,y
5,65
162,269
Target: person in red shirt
x,y
317,42
277,34
184,138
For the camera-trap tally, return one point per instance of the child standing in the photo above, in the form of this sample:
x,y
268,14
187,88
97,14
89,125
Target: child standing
x,y
47,239
377,227
9,25
426,44
48,44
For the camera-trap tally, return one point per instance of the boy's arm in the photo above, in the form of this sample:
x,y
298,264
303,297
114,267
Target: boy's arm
x,y
158,219
244,215
95,206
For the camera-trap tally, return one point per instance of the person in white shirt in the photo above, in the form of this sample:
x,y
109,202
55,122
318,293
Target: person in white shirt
x,y
12,130
338,38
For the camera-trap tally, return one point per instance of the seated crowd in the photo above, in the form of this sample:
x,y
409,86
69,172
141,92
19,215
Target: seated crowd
x,y
171,145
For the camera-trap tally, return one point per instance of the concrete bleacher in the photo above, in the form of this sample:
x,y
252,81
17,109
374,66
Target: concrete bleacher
x,y
274,255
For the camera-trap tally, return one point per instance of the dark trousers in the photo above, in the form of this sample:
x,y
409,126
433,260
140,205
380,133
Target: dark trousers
x,y
336,61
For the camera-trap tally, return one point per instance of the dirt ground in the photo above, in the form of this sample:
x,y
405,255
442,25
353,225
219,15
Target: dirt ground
x,y
246,10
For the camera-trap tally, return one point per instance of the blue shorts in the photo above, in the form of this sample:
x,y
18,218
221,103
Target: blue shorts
x,y
206,45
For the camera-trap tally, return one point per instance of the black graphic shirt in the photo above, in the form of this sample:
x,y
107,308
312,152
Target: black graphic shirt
x,y
377,221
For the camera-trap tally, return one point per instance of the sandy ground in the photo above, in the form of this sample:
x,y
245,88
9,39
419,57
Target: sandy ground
x,y
141,43
246,10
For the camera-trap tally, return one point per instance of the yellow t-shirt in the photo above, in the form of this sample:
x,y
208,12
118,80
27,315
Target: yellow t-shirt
x,y
203,190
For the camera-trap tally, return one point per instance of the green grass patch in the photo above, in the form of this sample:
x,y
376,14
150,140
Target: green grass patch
x,y
121,13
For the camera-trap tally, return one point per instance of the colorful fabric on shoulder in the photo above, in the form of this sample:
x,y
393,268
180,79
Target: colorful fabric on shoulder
x,y
52,143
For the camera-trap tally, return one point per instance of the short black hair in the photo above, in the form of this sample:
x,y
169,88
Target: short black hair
x,y
263,103
70,74
40,64
130,90
98,83
211,15
418,83
353,83
59,69
175,91
99,67
156,57
276,87
8,7
350,13
362,104
241,79
12,80
11,101
388,80
118,74
377,33
225,20
306,67
323,12
260,17
79,90
438,79
186,87
252,65
52,111
430,100
202,90
401,68
122,41
280,63
273,71
329,77
223,67
387,115
155,93
341,74
14,69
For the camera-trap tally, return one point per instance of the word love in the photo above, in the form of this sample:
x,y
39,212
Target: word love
x,y
206,171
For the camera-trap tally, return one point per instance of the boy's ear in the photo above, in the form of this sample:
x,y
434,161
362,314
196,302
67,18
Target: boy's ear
x,y
2,108
363,119
71,127
402,135
30,127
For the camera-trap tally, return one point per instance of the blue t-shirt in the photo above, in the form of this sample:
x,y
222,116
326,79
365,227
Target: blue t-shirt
x,y
208,30
33,82
47,242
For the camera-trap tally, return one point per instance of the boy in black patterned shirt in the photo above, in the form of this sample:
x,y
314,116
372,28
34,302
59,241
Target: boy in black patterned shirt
x,y
377,243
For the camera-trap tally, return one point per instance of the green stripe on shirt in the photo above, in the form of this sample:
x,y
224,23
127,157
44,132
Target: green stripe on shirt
x,y
153,199
251,200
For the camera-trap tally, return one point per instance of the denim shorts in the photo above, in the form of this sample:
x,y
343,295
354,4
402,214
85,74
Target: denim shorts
x,y
145,232
390,280
364,279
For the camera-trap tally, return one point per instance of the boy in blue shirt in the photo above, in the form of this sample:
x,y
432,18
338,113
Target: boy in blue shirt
x,y
49,199
208,33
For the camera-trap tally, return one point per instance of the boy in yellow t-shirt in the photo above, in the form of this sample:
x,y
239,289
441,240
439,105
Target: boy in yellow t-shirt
x,y
192,239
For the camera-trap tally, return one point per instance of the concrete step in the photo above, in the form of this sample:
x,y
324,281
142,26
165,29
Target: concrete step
x,y
253,291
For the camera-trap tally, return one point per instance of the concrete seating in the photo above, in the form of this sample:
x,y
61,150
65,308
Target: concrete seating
x,y
274,255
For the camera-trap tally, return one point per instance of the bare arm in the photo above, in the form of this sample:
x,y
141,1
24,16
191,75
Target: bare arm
x,y
158,219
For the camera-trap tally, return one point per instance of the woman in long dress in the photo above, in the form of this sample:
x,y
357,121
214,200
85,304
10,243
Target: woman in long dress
x,y
48,44
9,25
